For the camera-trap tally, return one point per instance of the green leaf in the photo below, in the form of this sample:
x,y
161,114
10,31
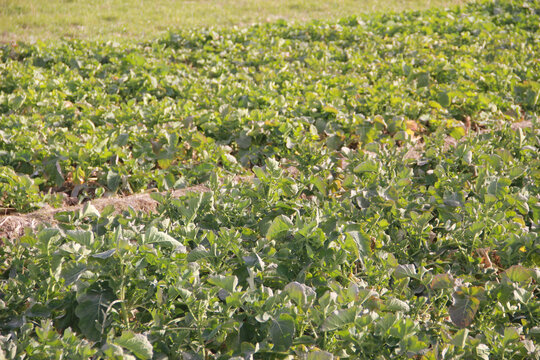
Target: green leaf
x,y
159,197
81,236
443,99
105,254
301,294
394,304
18,101
358,243
282,332
225,282
339,319
113,181
153,236
38,310
72,272
260,173
460,338
319,184
510,335
197,254
45,237
138,344
91,313
88,210
279,226
518,273
413,345
403,328
404,271
320,355
384,324
54,170
498,187
422,80
457,132
367,166
243,141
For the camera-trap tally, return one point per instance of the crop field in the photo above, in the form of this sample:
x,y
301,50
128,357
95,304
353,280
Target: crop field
x,y
367,188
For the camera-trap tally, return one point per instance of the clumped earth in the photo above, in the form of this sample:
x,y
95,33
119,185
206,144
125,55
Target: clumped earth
x,y
361,189
13,226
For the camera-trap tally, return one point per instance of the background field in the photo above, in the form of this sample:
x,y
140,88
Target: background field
x,y
29,20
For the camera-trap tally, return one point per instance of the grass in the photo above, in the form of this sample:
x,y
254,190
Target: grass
x,y
32,20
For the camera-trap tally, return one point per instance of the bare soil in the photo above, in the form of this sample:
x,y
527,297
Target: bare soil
x,y
12,226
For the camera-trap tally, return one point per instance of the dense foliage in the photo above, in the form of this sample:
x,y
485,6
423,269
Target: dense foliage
x,y
394,209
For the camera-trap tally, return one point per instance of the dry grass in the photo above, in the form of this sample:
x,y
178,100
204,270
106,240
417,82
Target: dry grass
x,y
33,20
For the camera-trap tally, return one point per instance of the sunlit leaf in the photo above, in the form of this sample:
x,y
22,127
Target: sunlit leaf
x,y
138,344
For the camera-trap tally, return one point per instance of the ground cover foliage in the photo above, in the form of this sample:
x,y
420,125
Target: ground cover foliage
x,y
394,208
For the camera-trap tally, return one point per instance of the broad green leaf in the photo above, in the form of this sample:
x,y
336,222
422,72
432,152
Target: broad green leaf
x,y
511,334
422,80
105,254
46,237
339,319
367,166
153,236
279,226
113,181
457,132
443,99
319,184
18,101
91,313
498,187
160,198
300,293
394,304
71,272
282,332
81,236
243,141
138,344
320,355
460,338
225,282
197,254
413,345
38,310
403,328
260,173
89,210
403,271
54,170
518,273
358,243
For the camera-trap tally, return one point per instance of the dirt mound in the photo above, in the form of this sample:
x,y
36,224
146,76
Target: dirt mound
x,y
12,226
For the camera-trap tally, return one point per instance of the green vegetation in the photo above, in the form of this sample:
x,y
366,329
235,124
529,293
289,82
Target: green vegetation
x,y
393,213
32,20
